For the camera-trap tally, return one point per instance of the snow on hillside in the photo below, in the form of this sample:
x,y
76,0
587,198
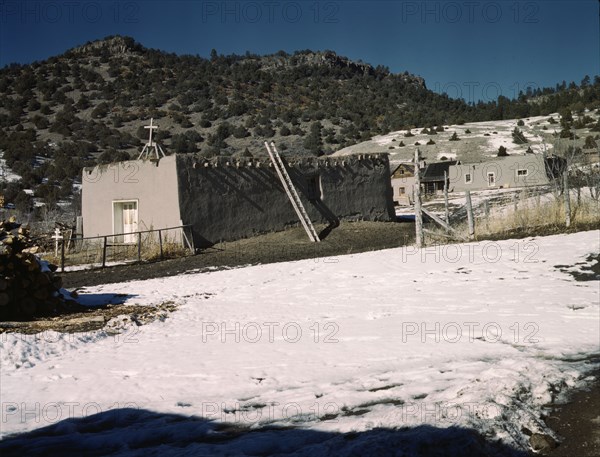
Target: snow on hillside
x,y
479,335
6,174
478,141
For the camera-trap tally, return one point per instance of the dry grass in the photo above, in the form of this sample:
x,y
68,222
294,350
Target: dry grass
x,y
530,215
91,251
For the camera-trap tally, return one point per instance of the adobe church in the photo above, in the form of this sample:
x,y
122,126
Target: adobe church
x,y
225,199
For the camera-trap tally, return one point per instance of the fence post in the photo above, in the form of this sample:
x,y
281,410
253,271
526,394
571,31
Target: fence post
x,y
62,256
160,243
192,244
418,213
104,251
567,198
446,197
470,215
486,208
139,246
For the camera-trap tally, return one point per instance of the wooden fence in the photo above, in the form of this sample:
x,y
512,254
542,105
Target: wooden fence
x,y
146,245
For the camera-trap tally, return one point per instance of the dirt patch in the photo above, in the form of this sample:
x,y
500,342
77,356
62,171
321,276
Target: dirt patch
x,y
578,423
289,245
91,319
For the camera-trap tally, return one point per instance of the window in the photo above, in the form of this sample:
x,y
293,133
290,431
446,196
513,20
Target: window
x,y
491,176
468,179
313,187
402,190
522,172
401,171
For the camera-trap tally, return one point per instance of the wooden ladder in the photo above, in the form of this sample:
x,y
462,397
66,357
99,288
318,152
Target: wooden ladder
x,y
291,192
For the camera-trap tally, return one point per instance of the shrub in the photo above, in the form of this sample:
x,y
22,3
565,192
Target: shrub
x,y
100,111
590,143
430,142
40,122
520,123
454,137
502,151
518,136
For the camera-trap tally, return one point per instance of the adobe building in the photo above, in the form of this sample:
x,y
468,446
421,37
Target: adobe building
x,y
403,182
506,172
227,199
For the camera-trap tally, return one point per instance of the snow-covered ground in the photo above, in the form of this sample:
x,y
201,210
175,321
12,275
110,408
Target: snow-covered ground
x,y
479,335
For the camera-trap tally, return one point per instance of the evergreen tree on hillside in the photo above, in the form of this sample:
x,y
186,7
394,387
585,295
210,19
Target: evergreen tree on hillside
x,y
313,142
518,136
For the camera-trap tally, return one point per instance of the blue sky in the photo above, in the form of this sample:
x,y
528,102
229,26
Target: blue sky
x,y
470,49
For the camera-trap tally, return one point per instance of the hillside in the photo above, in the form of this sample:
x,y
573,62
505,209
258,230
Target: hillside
x,y
480,141
89,106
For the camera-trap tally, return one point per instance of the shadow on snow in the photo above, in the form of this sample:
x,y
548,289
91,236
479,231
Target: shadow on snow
x,y
138,432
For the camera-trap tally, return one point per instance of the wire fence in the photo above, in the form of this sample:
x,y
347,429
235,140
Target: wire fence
x,y
71,253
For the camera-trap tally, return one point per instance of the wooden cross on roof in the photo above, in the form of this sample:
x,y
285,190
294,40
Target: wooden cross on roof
x,y
151,148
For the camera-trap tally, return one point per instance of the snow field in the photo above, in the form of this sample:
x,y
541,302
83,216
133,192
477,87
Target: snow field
x,y
480,335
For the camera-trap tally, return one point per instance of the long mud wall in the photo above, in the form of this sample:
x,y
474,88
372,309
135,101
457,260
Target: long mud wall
x,y
227,199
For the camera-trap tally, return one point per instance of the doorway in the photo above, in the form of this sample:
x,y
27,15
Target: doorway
x,y
126,220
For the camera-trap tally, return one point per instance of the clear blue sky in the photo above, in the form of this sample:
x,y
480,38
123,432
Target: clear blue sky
x,y
467,48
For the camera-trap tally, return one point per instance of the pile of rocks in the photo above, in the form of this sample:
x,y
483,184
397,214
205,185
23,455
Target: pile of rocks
x,y
28,286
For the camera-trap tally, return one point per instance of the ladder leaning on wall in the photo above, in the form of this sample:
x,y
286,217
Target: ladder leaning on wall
x,y
291,192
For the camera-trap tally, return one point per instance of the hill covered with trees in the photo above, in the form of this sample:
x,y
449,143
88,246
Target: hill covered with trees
x,y
90,104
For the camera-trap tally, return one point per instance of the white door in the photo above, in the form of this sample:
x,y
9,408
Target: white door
x,y
491,179
129,218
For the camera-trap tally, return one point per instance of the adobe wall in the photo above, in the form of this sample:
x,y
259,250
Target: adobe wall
x,y
505,171
226,199
152,184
